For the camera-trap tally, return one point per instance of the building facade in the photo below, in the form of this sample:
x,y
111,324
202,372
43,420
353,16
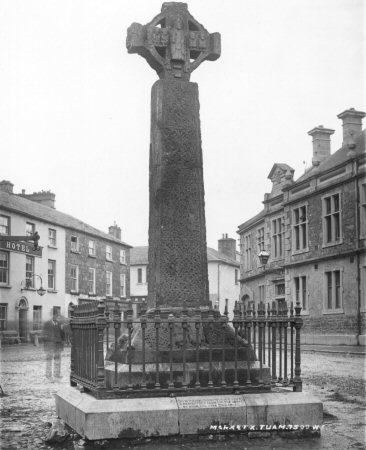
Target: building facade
x,y
75,261
223,274
314,230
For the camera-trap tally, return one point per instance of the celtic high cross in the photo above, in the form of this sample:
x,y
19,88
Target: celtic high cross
x,y
173,43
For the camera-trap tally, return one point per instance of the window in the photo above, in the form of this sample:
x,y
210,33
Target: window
x,y
74,244
29,271
301,294
51,274
122,256
332,219
37,318
29,229
333,290
108,252
363,209
236,276
74,275
247,253
91,248
139,275
91,281
260,239
3,316
261,293
278,231
52,237
4,225
108,284
4,267
122,285
280,290
300,228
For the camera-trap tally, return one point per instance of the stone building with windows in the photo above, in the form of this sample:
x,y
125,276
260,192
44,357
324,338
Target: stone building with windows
x,y
223,274
314,230
97,264
75,261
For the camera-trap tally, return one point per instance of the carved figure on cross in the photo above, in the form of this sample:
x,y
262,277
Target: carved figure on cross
x,y
173,43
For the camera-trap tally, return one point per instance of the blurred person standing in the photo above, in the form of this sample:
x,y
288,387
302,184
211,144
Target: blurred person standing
x,y
53,336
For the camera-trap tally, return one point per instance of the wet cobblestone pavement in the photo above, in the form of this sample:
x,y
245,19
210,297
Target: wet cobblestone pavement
x,y
28,407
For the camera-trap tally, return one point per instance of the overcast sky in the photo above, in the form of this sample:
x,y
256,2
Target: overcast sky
x,y
75,106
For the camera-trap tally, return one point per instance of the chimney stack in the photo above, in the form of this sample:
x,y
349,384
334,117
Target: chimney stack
x,y
115,231
227,246
6,186
321,143
352,124
46,198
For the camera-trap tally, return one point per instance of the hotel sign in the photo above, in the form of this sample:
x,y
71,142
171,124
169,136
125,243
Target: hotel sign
x,y
20,247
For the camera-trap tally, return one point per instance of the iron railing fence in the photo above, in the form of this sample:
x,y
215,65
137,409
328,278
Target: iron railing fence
x,y
221,365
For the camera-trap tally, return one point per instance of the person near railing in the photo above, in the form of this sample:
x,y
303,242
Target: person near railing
x,y
53,339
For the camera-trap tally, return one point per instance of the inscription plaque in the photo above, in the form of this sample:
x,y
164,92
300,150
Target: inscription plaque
x,y
212,402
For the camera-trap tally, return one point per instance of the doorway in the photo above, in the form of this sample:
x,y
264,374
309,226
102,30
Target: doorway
x,y
23,319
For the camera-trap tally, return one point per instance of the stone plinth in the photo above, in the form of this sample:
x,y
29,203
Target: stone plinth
x,y
127,418
177,228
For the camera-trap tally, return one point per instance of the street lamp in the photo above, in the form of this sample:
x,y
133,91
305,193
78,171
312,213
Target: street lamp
x,y
40,291
263,256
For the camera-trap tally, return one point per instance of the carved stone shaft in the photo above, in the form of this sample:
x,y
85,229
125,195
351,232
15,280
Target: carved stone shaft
x,y
177,229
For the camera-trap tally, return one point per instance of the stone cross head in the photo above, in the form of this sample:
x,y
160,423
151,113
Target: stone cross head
x,y
173,43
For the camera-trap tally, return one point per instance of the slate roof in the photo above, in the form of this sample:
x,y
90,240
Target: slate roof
x,y
215,256
15,203
252,221
139,256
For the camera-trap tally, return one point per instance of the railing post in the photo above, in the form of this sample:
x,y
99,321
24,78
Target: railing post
x,y
248,328
210,328
101,325
117,326
129,348
274,341
223,320
261,313
73,344
269,333
171,328
298,325
198,319
184,327
143,320
285,324
292,341
157,322
236,326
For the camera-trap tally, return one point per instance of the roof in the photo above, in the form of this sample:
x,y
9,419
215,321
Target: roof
x,y
336,159
215,256
139,256
252,221
44,213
